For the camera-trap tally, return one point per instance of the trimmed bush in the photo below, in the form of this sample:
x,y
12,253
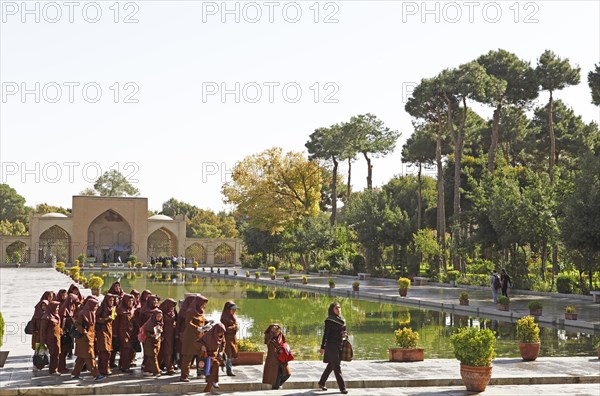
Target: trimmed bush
x,y
527,330
245,345
474,346
406,338
95,282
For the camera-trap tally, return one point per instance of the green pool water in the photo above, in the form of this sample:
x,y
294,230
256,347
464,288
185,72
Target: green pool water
x,y
371,324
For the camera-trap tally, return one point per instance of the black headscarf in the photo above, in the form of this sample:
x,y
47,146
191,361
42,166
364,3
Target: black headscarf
x,y
333,317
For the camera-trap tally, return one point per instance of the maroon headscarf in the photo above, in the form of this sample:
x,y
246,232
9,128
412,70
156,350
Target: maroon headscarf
x,y
152,321
197,305
227,318
123,309
144,296
116,289
270,334
104,309
67,308
151,304
185,304
37,314
168,307
51,313
61,296
73,289
88,310
214,337
48,296
136,298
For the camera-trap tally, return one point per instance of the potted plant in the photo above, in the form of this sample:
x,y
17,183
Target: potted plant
x,y
272,271
463,298
195,265
407,341
59,266
104,265
403,285
570,312
3,354
257,274
355,286
331,283
234,272
528,333
304,280
286,278
95,283
212,270
158,265
218,270
503,302
226,271
474,348
248,353
138,265
247,274
535,308
130,264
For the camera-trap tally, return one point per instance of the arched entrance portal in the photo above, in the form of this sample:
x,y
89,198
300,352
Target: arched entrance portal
x,y
109,238
17,252
55,242
162,243
224,254
196,252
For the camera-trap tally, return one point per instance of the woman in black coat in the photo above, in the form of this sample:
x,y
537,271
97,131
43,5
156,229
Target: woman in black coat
x,y
334,334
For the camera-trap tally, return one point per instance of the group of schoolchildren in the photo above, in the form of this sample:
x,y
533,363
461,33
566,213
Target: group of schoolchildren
x,y
168,339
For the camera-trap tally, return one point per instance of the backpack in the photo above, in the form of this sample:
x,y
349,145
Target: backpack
x,y
497,284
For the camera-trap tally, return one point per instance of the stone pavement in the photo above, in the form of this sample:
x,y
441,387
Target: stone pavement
x,y
20,289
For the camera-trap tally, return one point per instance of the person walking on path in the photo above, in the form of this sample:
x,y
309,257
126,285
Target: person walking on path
x,y
85,322
495,284
50,333
210,344
275,372
104,333
194,328
152,332
66,313
331,345
229,320
506,281
125,331
167,345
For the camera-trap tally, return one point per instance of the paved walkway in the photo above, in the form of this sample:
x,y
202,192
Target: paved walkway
x,y
20,289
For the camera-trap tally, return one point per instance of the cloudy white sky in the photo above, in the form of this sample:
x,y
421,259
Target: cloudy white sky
x,y
137,86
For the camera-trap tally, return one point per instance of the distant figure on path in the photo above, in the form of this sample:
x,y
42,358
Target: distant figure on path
x,y
495,284
331,346
506,281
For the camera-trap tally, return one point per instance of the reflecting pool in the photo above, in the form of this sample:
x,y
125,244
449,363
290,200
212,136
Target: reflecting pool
x,y
371,324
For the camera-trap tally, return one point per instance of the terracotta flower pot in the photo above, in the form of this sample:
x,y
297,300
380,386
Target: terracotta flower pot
x,y
570,316
355,288
535,312
476,378
406,355
272,277
403,292
332,285
503,307
529,351
248,358
464,302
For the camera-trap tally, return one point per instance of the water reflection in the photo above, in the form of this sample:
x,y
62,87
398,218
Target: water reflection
x,y
371,324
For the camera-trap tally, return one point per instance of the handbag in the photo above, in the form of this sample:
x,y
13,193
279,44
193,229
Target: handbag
x,y
40,357
74,333
66,339
346,353
285,353
29,327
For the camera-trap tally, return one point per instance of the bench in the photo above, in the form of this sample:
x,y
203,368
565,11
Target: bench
x,y
363,275
420,280
596,296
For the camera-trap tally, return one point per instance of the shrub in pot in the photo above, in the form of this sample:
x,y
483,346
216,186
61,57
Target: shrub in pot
x,y
331,283
95,283
407,341
195,265
272,271
453,276
463,298
403,285
247,274
475,349
356,286
570,312
535,308
286,278
248,353
304,280
528,333
503,302
234,272
257,274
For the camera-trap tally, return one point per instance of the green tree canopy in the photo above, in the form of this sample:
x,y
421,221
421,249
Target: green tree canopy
x,y
113,184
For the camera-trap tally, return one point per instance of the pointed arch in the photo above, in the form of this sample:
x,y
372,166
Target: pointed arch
x,y
224,254
55,242
17,252
197,252
162,242
109,237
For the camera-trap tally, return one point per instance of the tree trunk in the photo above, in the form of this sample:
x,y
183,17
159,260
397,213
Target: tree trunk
x,y
349,178
494,139
543,269
458,151
334,192
419,198
552,139
441,212
369,172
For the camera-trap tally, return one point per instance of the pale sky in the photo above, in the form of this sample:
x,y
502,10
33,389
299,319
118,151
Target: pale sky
x,y
180,137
